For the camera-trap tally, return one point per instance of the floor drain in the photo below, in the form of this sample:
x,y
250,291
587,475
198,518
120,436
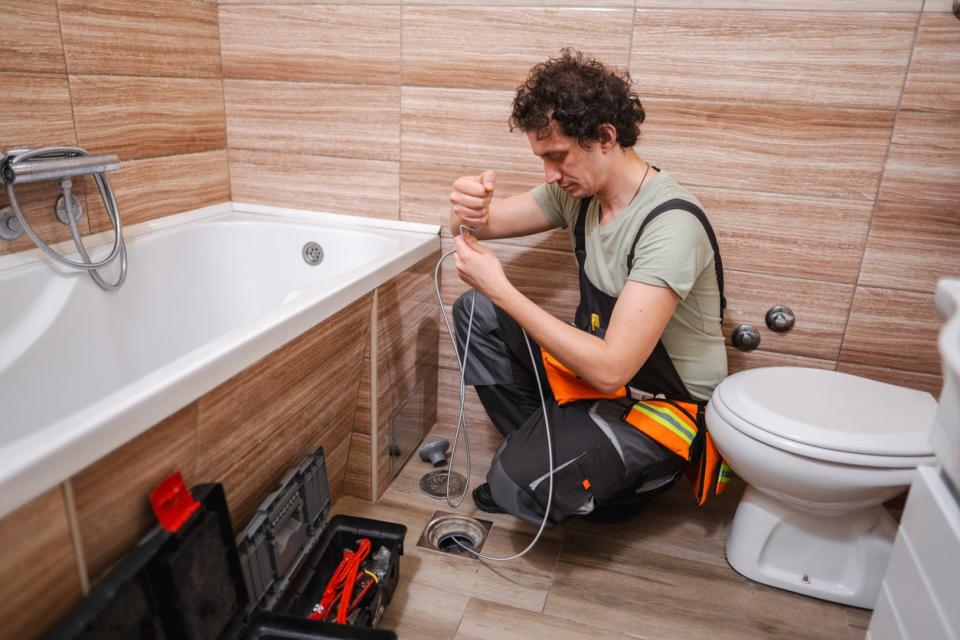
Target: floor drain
x,y
434,484
454,534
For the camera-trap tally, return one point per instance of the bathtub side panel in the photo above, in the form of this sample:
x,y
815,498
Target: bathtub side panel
x,y
111,495
39,582
259,424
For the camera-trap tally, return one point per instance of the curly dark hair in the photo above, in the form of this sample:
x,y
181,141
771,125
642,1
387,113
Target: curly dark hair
x,y
580,94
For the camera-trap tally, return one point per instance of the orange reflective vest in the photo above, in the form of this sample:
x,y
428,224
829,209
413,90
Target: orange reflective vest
x,y
676,426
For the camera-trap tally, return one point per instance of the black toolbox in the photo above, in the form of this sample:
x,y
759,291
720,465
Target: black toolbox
x,y
200,583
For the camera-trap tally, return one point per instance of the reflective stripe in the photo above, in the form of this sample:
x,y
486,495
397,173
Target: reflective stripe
x,y
536,483
666,420
604,426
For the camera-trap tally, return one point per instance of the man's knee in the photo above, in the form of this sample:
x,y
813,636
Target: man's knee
x,y
484,314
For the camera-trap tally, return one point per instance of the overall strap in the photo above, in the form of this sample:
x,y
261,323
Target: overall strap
x,y
580,245
685,205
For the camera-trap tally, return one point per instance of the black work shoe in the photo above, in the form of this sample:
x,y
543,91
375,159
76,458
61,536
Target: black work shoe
x,y
483,498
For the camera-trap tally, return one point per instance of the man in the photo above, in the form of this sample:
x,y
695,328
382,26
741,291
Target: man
x,y
648,323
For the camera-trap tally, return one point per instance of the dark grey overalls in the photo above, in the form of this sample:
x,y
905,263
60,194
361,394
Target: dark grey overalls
x,y
622,467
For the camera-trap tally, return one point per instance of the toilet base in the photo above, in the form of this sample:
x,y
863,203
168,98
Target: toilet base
x,y
836,556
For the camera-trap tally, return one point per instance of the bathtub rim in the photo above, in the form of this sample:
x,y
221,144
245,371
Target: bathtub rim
x,y
56,452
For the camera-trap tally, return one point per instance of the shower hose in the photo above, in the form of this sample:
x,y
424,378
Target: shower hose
x,y
461,418
106,193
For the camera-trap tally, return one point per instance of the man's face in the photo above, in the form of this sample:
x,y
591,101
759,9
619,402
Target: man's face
x,y
575,169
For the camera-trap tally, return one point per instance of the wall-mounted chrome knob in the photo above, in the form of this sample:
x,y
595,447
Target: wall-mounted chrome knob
x,y
745,337
780,319
10,228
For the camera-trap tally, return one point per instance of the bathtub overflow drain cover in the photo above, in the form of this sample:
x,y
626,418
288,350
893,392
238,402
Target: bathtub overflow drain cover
x,y
312,253
434,484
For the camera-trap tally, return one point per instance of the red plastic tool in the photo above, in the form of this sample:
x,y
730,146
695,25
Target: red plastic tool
x,y
172,503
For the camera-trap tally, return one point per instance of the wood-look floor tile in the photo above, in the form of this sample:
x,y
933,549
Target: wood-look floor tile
x,y
128,37
31,37
821,310
937,6
911,246
675,53
933,83
114,515
633,589
924,155
38,574
808,151
494,48
425,190
444,126
742,360
483,620
423,612
932,384
157,187
136,117
787,5
343,43
548,278
788,236
299,117
895,329
525,3
339,185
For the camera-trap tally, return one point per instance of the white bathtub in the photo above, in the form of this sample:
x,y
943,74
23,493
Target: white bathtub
x,y
208,293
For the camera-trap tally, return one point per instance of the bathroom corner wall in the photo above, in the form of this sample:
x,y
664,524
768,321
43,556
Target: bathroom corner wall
x,y
141,80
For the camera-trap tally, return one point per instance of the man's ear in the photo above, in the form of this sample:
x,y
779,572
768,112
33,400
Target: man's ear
x,y
608,137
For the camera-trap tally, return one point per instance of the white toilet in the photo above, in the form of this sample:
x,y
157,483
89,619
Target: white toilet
x,y
821,451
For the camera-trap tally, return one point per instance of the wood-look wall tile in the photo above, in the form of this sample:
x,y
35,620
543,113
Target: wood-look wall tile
x,y
715,55
933,83
257,425
522,3
157,187
494,48
425,190
821,310
288,2
39,582
336,460
137,117
35,111
112,495
358,480
808,151
548,278
911,246
937,6
786,5
128,37
788,236
31,37
343,43
444,126
335,120
339,185
893,329
742,360
923,160
932,384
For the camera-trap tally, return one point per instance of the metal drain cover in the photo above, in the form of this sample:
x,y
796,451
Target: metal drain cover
x,y
434,484
312,253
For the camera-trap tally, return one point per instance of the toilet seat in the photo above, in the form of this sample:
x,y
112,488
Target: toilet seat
x,y
829,416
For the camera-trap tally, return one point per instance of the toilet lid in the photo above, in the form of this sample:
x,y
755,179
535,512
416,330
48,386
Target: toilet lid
x,y
832,410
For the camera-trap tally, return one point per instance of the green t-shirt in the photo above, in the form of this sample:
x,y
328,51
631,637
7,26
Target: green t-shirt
x,y
674,252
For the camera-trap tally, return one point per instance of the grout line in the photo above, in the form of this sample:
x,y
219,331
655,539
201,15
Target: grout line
x,y
883,171
374,409
223,96
73,523
633,29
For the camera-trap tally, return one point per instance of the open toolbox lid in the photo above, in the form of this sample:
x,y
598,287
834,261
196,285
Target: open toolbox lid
x,y
195,584
286,527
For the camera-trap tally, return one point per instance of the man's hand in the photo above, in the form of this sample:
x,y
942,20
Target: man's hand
x,y
470,201
480,268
